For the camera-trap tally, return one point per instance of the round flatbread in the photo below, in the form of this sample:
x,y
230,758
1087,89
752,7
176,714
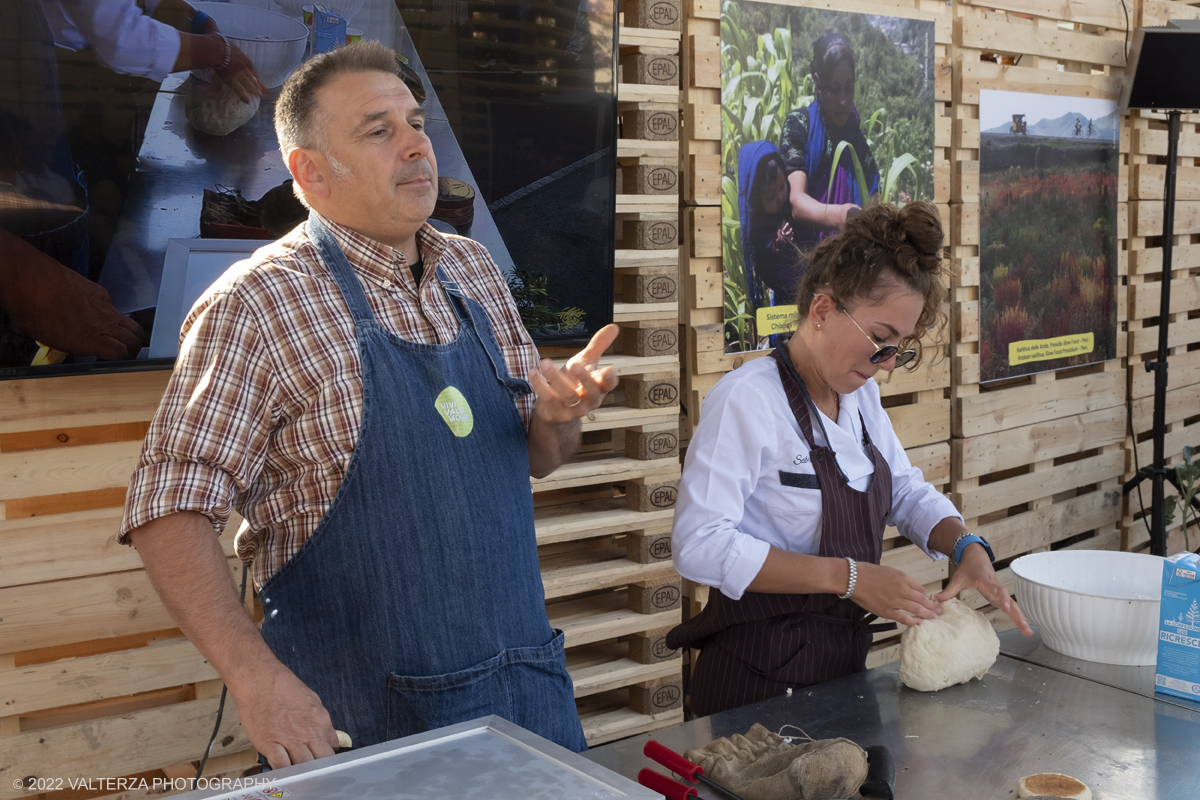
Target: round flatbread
x,y
1053,784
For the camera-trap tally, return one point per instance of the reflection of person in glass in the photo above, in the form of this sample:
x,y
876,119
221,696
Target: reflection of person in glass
x,y
821,196
48,211
770,258
45,294
170,36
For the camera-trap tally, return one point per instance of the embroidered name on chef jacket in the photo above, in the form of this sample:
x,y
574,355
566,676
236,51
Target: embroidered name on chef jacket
x,y
456,411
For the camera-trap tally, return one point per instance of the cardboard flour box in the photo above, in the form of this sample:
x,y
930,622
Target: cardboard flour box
x,y
1179,628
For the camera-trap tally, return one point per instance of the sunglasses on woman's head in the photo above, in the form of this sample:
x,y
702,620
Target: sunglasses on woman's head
x,y
882,352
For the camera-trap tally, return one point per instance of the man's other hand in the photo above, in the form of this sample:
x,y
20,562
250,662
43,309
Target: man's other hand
x,y
61,308
283,718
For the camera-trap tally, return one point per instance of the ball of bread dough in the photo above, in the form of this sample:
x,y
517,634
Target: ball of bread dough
x,y
216,109
1053,784
955,647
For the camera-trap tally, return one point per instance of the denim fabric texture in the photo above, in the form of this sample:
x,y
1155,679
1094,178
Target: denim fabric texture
x,y
418,603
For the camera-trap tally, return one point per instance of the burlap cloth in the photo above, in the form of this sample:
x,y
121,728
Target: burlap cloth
x,y
765,766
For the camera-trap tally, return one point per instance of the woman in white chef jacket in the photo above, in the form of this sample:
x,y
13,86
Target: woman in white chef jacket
x,y
794,472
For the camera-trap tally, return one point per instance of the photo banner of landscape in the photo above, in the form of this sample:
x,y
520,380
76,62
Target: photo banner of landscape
x,y
1047,232
821,112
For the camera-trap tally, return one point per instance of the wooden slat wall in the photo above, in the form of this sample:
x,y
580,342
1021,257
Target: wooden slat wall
x,y
1036,460
1147,173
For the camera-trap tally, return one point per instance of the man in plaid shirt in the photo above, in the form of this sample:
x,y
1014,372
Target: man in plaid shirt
x,y
357,390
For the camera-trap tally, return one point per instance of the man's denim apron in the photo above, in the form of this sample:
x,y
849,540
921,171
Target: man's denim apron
x,y
417,602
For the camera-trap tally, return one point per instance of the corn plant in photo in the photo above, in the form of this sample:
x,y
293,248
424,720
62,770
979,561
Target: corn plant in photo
x,y
765,78
739,317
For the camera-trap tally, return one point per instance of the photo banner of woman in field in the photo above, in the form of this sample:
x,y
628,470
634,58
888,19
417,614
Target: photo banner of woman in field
x,y
1047,232
822,113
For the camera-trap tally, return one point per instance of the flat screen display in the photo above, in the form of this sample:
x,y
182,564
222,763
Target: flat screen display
x,y
102,167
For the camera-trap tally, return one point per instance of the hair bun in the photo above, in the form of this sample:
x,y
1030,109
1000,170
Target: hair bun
x,y
922,229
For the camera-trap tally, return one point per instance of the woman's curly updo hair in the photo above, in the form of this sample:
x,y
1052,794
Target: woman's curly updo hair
x,y
882,250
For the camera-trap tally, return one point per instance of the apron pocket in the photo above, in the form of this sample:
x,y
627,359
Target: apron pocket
x,y
542,694
528,686
418,704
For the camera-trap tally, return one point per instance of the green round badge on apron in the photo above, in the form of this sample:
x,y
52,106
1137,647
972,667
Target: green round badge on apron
x,y
456,411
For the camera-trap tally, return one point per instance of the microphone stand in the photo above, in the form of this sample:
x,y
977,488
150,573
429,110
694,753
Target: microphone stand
x,y
1157,472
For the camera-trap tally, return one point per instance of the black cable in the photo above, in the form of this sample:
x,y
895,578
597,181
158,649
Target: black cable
x,y
1126,8
224,692
1137,470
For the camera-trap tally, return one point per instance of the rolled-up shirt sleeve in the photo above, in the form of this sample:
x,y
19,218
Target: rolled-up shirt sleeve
x,y
126,40
722,468
208,440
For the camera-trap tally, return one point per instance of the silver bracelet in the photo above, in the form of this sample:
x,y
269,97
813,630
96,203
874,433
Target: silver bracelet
x,y
228,51
853,580
954,546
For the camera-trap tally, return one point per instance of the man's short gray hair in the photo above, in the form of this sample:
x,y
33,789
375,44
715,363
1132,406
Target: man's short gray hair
x,y
298,122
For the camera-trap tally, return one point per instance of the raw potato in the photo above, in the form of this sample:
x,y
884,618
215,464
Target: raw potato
x,y
216,109
954,648
1053,784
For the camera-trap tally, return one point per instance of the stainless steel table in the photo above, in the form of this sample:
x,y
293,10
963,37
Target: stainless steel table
x,y
1139,680
974,741
484,759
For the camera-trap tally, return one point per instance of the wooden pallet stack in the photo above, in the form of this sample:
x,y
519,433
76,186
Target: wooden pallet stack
x,y
918,402
1037,460
95,680
1147,172
604,520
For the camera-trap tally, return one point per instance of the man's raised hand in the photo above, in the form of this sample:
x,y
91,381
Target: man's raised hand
x,y
577,389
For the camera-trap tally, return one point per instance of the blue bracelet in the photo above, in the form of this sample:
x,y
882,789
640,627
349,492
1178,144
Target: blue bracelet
x,y
966,540
198,20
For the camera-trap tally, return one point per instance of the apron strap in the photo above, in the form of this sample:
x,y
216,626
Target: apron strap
x,y
864,621
469,311
802,412
458,301
795,386
331,253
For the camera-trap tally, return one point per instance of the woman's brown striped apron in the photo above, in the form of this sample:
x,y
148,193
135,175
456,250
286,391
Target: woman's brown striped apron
x,y
764,644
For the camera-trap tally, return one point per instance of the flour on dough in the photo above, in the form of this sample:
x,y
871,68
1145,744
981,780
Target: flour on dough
x,y
216,108
954,648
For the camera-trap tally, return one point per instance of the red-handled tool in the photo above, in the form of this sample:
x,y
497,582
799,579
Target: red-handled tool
x,y
681,766
672,790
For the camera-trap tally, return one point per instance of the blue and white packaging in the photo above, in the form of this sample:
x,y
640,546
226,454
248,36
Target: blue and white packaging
x,y
329,29
1178,670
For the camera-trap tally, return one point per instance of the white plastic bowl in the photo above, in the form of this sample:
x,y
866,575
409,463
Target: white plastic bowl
x,y
1097,605
273,42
